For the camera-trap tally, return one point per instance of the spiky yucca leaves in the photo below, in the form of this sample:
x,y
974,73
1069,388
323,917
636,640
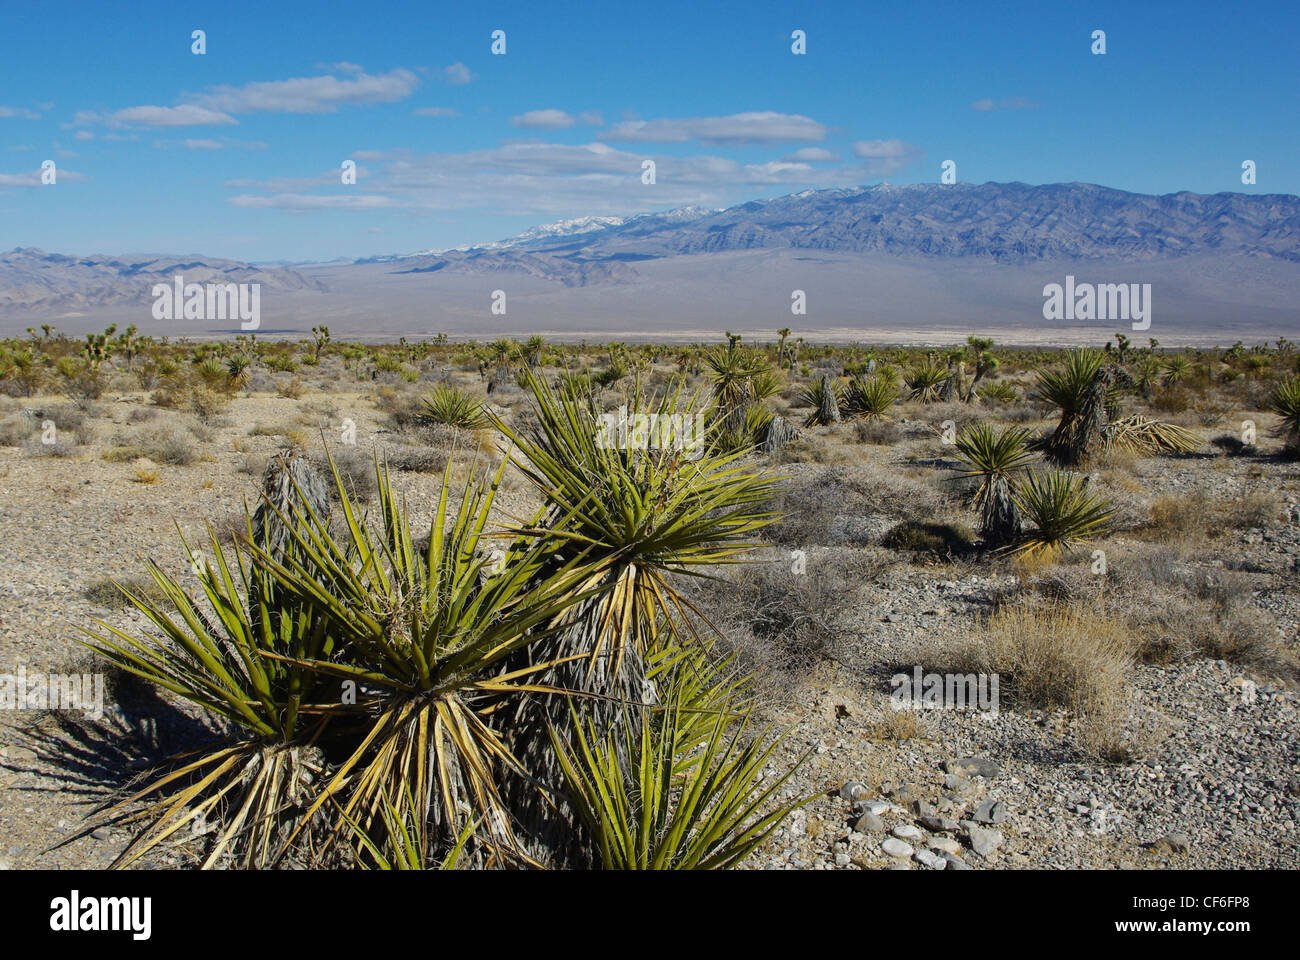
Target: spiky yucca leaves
x,y
1063,512
428,638
1065,387
1285,402
749,432
995,457
731,374
255,783
925,380
1084,391
453,407
826,396
870,397
237,371
1142,435
673,788
635,517
1001,391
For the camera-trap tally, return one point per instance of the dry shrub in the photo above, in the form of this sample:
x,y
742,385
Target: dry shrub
x,y
778,624
810,503
877,431
1058,655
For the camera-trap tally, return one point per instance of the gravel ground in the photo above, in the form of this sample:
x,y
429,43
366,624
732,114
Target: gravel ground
x,y
1219,786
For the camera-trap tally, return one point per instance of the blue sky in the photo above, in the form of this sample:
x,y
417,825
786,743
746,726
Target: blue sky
x,y
237,153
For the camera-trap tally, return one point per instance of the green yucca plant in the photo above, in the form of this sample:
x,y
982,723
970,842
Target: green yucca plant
x,y
454,407
1285,402
637,517
1066,387
430,634
823,400
640,514
229,664
731,375
237,371
211,371
1001,391
648,804
870,397
889,373
1175,370
995,458
924,380
392,658
1063,512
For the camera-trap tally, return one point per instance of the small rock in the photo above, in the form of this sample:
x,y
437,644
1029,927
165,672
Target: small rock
x,y
924,808
973,767
101,833
1172,843
939,824
955,862
990,811
945,845
853,790
905,831
842,860
896,848
983,841
869,823
931,860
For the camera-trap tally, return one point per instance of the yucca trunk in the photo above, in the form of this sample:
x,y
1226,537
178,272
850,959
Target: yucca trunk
x,y
1079,437
1000,523
829,412
607,681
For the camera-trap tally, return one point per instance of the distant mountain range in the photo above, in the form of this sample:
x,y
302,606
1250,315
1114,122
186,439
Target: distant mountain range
x,y
915,260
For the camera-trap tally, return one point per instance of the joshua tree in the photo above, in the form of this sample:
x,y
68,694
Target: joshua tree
x,y
321,336
784,334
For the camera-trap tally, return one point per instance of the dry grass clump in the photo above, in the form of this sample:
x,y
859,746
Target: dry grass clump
x,y
1177,608
1198,517
295,435
877,431
105,592
1059,655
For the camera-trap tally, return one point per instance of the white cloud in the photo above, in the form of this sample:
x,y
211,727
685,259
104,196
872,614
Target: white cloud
x,y
186,115
33,179
591,118
1011,103
83,135
435,112
543,120
323,94
812,155
885,156
458,74
21,112
739,128
202,145
303,202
